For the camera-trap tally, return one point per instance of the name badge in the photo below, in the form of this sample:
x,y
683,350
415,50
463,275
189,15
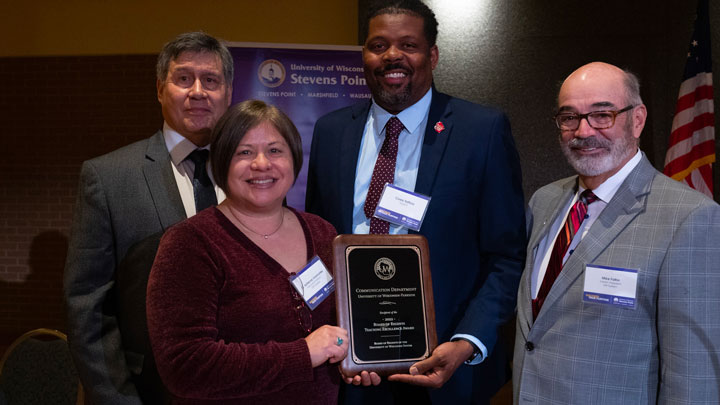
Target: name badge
x,y
313,282
402,207
610,286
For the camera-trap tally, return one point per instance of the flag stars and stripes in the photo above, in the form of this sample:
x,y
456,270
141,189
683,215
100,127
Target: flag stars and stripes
x,y
691,151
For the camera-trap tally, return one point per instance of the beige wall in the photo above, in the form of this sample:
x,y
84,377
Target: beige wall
x,y
107,27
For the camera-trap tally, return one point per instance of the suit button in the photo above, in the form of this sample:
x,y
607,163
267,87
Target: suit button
x,y
529,346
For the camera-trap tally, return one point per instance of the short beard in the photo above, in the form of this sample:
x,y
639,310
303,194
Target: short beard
x,y
392,100
616,152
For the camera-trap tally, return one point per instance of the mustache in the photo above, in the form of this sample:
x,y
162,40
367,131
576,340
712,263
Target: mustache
x,y
590,142
392,66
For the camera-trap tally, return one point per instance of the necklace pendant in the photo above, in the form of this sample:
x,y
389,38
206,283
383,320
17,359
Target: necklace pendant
x,y
264,235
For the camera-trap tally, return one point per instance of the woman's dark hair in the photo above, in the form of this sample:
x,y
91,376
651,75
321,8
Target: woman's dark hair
x,y
237,121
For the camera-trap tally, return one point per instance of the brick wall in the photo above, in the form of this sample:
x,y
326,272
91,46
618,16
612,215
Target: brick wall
x,y
57,112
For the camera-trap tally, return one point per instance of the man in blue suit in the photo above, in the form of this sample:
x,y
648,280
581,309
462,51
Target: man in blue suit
x,y
460,154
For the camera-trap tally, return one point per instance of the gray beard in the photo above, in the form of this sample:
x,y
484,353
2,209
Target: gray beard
x,y
616,152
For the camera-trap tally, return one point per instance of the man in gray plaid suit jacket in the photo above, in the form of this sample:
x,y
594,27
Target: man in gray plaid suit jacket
x,y
633,317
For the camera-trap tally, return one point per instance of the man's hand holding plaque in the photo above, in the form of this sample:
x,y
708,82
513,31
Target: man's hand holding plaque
x,y
434,371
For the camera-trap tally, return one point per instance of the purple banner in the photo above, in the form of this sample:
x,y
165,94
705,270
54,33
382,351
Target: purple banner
x,y
305,82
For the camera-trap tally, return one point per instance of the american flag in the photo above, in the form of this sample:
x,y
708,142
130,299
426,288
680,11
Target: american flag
x,y
692,141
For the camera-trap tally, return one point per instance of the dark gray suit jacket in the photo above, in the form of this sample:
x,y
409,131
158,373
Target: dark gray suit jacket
x,y
126,199
667,349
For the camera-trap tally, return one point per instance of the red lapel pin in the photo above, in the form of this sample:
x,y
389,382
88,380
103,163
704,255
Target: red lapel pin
x,y
439,127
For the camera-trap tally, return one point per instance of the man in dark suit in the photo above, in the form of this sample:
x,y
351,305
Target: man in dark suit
x,y
126,199
622,306
463,156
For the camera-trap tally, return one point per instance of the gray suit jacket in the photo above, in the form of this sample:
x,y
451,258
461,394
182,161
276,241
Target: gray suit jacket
x,y
124,197
664,351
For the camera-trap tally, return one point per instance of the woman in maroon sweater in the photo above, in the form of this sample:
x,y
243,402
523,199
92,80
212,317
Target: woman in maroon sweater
x,y
226,325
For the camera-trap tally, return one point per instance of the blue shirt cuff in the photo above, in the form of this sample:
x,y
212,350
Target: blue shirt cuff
x,y
475,341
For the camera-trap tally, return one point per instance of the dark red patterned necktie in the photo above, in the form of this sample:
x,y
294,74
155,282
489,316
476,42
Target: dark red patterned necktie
x,y
575,217
384,172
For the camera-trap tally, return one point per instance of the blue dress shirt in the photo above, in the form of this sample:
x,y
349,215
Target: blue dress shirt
x,y
410,142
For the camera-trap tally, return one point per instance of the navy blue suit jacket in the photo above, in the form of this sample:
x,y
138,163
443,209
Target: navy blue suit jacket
x,y
475,222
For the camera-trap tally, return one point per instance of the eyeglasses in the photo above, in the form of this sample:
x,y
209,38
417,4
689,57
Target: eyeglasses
x,y
303,312
568,121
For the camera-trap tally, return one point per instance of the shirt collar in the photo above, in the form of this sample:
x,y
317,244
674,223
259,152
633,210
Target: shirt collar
x,y
410,117
178,146
609,187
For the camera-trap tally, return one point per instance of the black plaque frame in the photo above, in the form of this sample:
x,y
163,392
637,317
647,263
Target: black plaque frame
x,y
413,270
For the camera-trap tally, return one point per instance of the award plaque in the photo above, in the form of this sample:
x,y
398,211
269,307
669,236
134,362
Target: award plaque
x,y
385,302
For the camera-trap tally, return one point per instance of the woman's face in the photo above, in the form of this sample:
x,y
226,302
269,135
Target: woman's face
x,y
261,170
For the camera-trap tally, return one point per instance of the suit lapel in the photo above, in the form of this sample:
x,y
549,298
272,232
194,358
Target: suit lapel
x,y
551,211
433,148
627,204
547,214
434,142
349,150
161,182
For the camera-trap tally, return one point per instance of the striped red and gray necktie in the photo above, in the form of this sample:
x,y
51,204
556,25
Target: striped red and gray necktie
x,y
575,217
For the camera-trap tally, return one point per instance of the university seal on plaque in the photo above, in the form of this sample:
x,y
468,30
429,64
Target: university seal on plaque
x,y
384,268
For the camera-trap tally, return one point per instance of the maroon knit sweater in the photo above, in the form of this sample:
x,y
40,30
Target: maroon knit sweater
x,y
222,317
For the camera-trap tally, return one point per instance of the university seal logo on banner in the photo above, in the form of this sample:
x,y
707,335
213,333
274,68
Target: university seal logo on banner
x,y
384,268
271,73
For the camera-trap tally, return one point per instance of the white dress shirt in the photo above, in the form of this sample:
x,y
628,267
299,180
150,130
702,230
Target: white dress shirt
x,y
184,169
605,193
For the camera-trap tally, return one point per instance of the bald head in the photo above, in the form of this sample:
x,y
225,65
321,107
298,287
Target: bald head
x,y
601,86
601,72
599,150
